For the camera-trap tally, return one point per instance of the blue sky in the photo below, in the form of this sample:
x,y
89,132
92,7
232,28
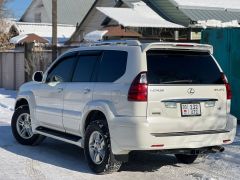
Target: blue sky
x,y
17,7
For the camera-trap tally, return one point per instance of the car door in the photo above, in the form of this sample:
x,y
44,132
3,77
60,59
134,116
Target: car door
x,y
49,95
79,92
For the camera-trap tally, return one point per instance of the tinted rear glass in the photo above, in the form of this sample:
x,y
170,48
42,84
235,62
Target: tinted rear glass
x,y
112,66
182,67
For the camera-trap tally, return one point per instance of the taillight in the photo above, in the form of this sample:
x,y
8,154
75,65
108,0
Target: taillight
x,y
138,90
228,87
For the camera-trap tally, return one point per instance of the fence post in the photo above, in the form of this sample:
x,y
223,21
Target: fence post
x,y
1,83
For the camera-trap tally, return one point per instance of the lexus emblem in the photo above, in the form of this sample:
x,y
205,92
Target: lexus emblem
x,y
191,91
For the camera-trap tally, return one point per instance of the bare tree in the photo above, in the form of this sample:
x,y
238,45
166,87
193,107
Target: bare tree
x,y
4,25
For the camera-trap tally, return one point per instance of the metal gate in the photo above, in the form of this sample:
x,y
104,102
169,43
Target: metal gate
x,y
226,43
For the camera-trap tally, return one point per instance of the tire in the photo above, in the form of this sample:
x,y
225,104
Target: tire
x,y
186,159
27,137
106,163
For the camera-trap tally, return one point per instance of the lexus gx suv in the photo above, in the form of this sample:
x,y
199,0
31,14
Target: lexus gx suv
x,y
114,98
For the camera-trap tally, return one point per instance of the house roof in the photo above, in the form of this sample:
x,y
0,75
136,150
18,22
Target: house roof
x,y
44,30
210,9
187,11
117,31
209,4
111,31
26,38
134,17
69,11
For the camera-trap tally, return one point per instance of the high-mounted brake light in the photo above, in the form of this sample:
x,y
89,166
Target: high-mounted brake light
x,y
228,87
138,90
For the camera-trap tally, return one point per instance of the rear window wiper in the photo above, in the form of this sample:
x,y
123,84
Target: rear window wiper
x,y
187,81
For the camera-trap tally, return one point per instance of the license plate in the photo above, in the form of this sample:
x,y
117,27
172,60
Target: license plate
x,y
191,109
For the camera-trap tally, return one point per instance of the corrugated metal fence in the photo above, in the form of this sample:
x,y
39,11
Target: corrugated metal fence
x,y
11,69
226,50
15,70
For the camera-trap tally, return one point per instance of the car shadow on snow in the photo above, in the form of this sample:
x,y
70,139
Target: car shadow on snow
x,y
148,162
71,157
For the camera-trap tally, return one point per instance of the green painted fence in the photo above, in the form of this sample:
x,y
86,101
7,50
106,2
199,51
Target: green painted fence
x,y
226,43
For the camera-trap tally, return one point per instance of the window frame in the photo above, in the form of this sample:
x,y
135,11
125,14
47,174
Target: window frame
x,y
64,57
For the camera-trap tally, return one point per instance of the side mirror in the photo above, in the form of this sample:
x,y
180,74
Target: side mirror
x,y
37,76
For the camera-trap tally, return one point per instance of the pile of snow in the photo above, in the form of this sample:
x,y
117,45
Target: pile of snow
x,y
95,36
7,101
216,23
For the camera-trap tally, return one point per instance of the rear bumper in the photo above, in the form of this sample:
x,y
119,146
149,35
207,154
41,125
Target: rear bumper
x,y
133,133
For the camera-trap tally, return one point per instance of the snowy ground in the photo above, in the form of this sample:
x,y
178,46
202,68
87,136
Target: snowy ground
x,y
58,160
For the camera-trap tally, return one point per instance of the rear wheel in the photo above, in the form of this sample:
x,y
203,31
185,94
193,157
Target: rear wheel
x,y
22,127
97,148
185,158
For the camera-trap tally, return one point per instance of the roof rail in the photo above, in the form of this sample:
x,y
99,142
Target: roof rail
x,y
117,43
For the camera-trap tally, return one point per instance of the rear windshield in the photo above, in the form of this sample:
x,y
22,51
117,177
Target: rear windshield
x,y
182,67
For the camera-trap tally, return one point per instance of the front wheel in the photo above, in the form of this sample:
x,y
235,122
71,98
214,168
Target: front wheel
x,y
22,127
97,149
186,159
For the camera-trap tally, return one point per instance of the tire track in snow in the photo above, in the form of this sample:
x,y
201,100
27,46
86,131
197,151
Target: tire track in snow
x,y
32,171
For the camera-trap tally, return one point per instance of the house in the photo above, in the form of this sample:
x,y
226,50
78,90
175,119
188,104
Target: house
x,y
107,13
69,11
93,20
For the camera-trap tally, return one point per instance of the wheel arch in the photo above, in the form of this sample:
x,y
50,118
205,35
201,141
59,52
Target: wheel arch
x,y
101,110
21,102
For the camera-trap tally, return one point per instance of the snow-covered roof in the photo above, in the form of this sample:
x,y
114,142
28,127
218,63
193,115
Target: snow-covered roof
x,y
45,30
17,39
225,4
24,38
140,15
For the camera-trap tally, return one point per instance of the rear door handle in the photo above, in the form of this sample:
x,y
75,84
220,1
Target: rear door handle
x,y
86,91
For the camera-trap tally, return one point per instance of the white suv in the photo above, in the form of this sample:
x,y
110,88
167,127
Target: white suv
x,y
113,98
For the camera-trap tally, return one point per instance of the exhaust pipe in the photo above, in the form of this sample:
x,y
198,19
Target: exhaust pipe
x,y
218,149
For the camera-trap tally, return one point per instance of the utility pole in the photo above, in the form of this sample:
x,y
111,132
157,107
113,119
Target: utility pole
x,y
54,30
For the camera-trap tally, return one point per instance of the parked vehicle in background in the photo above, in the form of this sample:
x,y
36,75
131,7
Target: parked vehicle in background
x,y
114,98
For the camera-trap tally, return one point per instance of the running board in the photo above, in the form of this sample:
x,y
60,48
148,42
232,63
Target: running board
x,y
62,136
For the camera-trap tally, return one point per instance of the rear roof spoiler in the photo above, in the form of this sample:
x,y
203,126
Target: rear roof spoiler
x,y
176,46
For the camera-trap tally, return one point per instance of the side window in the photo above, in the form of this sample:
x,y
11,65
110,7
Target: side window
x,y
62,71
112,66
85,68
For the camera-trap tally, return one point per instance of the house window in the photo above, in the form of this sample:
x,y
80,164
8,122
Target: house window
x,y
37,18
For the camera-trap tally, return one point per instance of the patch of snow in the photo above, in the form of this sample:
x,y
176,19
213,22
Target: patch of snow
x,y
232,4
216,23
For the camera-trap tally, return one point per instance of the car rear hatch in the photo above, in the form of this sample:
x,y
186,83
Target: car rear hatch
x,y
186,92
